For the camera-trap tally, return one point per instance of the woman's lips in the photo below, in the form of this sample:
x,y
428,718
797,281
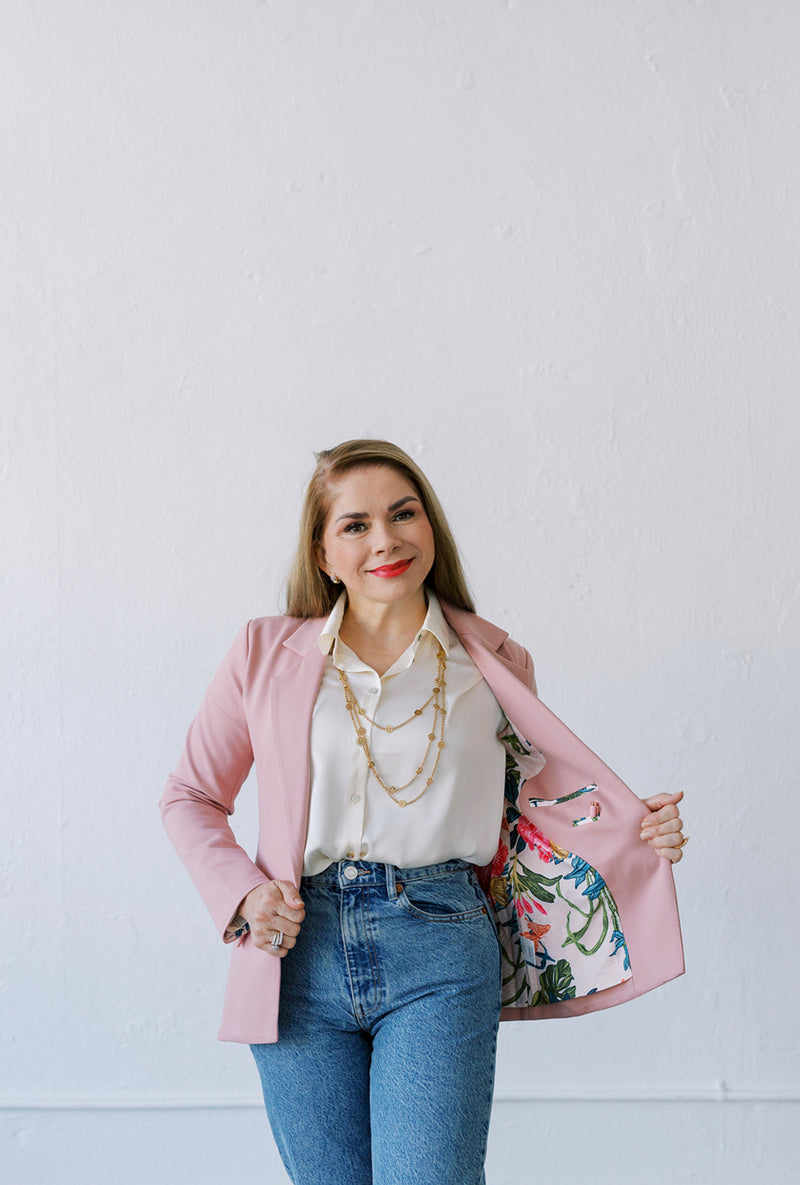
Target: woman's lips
x,y
392,569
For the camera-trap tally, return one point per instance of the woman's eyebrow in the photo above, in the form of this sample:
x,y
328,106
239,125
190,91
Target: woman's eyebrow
x,y
360,514
353,514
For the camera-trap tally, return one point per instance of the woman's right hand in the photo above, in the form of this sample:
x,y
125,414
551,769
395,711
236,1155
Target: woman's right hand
x,y
271,908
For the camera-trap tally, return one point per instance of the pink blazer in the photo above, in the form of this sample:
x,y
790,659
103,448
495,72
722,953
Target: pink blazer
x,y
581,822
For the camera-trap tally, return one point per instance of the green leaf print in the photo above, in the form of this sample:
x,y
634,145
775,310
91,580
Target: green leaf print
x,y
555,983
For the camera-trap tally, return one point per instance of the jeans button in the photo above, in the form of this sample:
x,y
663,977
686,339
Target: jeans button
x,y
351,872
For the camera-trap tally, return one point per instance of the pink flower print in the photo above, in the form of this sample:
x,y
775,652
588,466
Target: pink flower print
x,y
535,840
500,859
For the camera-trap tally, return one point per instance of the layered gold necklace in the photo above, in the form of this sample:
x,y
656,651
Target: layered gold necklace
x,y
358,715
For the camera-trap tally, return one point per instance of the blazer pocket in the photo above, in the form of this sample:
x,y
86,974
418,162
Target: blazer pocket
x,y
591,813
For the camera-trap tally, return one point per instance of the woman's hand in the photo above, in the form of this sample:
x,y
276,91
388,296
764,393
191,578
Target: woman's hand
x,y
274,907
663,828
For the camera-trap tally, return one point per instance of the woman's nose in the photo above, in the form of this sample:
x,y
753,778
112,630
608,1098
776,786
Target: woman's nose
x,y
383,538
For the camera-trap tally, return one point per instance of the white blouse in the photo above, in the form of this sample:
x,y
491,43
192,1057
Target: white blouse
x,y
351,816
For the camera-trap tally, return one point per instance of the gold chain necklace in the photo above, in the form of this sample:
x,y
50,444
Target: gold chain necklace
x,y
357,713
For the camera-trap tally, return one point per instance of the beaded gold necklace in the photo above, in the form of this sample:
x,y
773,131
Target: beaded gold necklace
x,y
358,714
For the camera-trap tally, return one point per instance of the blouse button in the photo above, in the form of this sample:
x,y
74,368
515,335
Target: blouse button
x,y
355,798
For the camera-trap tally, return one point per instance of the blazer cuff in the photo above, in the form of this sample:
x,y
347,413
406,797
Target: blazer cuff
x,y
235,922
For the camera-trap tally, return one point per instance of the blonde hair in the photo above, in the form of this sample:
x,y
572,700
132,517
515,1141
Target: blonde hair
x,y
309,592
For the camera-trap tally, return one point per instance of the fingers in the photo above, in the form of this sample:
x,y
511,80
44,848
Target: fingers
x,y
669,826
662,809
662,828
666,839
666,847
657,802
274,907
291,903
662,836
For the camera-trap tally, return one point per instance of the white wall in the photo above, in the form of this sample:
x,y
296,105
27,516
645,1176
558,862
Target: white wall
x,y
552,250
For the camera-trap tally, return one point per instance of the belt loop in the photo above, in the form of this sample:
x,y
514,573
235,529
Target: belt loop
x,y
391,877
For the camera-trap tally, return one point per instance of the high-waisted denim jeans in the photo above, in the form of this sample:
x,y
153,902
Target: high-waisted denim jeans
x,y
384,1065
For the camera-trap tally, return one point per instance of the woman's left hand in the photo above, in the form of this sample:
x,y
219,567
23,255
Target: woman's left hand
x,y
663,827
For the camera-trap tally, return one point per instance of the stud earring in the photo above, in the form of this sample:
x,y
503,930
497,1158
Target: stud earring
x,y
335,578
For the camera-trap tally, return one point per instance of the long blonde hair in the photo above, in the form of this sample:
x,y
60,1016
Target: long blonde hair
x,y
309,592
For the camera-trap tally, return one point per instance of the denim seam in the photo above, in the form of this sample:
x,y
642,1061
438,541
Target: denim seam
x,y
360,1013
366,916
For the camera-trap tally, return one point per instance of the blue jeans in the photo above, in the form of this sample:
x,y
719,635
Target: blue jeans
x,y
384,1067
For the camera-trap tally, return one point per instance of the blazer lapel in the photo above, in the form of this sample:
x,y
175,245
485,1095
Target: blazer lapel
x,y
507,679
292,693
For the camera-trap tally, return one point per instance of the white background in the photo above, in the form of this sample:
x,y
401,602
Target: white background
x,y
549,248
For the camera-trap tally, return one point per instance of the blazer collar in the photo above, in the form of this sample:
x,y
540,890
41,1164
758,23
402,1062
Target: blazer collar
x,y
476,627
306,637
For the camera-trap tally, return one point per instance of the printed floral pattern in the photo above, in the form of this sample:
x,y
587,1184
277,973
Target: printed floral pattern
x,y
559,926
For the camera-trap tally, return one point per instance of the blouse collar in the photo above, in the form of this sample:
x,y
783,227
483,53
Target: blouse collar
x,y
434,623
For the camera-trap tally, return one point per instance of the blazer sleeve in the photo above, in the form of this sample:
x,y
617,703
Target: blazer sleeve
x,y
201,791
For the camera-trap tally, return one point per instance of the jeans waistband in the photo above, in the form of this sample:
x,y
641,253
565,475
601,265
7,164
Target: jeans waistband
x,y
355,874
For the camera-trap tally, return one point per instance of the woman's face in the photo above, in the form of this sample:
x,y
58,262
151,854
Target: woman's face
x,y
377,538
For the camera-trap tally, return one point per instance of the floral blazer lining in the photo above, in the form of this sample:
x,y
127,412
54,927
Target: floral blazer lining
x,y
557,922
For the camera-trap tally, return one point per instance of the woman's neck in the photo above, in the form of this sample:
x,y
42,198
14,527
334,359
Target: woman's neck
x,y
379,633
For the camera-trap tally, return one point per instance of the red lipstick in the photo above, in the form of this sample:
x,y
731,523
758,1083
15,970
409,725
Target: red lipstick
x,y
392,569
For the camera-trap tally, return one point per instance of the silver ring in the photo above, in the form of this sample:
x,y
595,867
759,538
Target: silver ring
x,y
277,940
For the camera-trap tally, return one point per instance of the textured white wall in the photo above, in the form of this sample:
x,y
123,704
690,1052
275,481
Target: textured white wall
x,y
552,250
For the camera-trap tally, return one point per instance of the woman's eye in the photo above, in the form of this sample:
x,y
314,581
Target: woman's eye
x,y
358,528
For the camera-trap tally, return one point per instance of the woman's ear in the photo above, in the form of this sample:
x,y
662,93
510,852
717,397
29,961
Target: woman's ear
x,y
323,565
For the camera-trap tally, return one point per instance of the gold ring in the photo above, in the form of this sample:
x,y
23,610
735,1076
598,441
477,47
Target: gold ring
x,y
684,841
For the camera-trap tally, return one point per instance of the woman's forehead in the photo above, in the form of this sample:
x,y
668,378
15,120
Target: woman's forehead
x,y
370,483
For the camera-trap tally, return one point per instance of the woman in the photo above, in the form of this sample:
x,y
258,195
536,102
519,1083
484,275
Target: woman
x,y
400,751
